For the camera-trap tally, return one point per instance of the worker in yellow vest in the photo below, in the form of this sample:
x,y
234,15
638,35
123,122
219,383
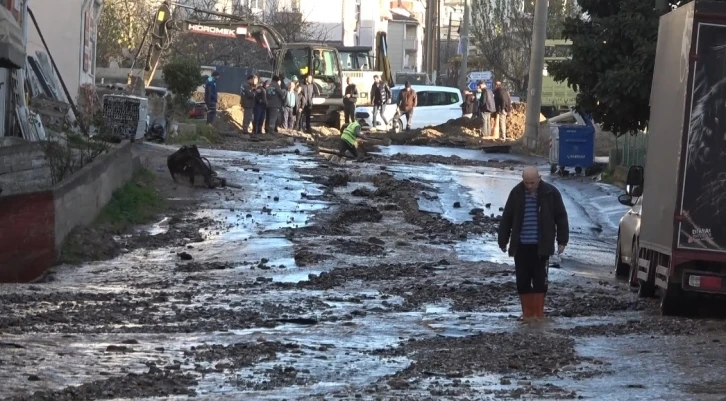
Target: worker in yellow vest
x,y
350,136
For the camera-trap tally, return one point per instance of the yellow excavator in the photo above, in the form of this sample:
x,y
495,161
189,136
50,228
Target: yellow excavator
x,y
287,59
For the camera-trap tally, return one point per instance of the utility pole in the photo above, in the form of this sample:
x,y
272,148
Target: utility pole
x,y
438,40
448,39
428,37
464,37
536,68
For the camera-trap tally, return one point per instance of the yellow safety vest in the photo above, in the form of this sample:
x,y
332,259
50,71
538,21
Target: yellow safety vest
x,y
349,132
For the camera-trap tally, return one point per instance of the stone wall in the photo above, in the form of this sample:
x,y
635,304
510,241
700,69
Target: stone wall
x,y
34,224
23,167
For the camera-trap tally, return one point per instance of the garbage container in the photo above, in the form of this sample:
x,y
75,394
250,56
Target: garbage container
x,y
572,146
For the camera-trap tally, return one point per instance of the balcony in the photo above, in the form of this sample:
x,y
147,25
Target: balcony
x,y
410,44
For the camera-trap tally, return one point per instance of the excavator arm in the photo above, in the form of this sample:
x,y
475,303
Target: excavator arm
x,y
164,24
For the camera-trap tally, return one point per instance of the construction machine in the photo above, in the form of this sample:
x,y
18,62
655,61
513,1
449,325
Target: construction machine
x,y
358,66
322,62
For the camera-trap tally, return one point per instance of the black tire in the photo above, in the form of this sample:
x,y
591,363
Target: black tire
x,y
621,269
673,302
578,170
553,168
397,125
633,273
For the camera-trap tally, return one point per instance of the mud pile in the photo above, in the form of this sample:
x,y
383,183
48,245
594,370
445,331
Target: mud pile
x,y
405,192
529,354
154,383
224,100
462,131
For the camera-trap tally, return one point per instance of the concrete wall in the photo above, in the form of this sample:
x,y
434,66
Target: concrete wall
x,y
23,167
33,225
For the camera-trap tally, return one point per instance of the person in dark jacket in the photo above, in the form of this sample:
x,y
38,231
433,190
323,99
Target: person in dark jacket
x,y
308,93
210,96
503,103
407,102
349,99
486,108
380,95
468,106
247,101
275,100
260,108
534,218
298,108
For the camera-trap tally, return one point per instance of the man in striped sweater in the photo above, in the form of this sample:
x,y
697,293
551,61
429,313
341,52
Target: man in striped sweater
x,y
534,219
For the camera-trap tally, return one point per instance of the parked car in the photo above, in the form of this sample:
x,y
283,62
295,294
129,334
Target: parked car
x,y
626,250
436,105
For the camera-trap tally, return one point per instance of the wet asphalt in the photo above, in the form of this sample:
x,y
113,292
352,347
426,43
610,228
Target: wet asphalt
x,y
173,328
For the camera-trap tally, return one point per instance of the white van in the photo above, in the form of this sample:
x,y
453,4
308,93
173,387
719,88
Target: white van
x,y
436,105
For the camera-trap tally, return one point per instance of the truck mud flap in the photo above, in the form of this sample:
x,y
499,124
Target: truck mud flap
x,y
661,276
643,269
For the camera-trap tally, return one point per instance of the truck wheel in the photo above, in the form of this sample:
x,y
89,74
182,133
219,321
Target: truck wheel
x,y
621,269
673,302
553,168
578,170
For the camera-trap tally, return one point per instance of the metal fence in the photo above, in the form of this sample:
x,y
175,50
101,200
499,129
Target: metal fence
x,y
632,149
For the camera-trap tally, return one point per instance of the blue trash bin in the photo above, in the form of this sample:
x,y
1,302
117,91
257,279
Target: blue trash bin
x,y
576,147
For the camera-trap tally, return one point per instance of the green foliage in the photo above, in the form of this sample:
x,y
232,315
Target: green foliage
x,y
182,76
136,202
503,35
613,55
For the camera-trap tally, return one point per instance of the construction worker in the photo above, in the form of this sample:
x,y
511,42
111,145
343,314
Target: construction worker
x,y
210,96
349,138
247,100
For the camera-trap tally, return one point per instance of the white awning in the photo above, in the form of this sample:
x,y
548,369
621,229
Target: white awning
x,y
12,46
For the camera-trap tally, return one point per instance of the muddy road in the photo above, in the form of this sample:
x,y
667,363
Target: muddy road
x,y
375,281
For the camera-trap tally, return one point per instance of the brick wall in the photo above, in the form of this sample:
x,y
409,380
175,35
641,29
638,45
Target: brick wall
x,y
27,236
33,225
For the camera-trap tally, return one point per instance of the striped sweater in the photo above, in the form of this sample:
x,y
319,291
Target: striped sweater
x,y
530,224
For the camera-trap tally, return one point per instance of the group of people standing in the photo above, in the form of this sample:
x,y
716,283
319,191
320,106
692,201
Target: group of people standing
x,y
492,106
272,104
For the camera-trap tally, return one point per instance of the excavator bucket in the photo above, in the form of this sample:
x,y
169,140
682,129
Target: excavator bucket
x,y
383,63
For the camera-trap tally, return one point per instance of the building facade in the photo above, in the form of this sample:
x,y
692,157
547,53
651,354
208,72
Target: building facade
x,y
405,42
69,28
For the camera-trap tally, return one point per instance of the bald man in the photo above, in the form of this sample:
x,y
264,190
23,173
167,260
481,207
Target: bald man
x,y
534,219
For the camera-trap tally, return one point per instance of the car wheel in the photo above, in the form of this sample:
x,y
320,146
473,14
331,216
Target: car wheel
x,y
396,125
621,269
633,276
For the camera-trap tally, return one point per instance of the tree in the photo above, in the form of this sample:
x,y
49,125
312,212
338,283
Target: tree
x,y
613,55
121,28
182,77
292,25
502,32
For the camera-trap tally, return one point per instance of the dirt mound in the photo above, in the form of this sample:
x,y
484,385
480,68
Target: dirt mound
x,y
499,353
405,193
224,100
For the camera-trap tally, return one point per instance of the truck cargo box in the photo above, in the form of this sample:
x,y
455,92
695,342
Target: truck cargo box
x,y
685,171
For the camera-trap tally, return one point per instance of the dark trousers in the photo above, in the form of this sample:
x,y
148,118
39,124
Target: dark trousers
x,y
530,269
349,111
211,112
273,115
307,112
409,117
249,118
260,111
345,146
